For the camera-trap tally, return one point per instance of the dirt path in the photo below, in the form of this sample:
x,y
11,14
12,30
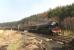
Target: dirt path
x,y
39,41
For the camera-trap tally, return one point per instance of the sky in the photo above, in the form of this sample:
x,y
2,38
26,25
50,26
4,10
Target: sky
x,y
14,10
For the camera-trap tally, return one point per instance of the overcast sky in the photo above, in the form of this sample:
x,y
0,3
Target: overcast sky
x,y
13,10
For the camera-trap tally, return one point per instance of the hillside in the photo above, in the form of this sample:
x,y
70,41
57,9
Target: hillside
x,y
64,15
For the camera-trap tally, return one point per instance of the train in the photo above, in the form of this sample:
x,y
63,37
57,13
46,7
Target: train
x,y
51,28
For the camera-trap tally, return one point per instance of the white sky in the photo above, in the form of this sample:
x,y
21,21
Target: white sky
x,y
12,10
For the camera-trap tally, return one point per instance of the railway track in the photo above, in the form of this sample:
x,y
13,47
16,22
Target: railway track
x,y
49,43
64,39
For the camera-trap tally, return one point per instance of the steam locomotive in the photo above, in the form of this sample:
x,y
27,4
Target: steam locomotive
x,y
48,28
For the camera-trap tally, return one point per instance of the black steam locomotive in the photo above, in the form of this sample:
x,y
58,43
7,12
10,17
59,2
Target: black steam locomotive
x,y
48,28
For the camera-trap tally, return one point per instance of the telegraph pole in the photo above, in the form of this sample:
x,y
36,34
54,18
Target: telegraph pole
x,y
18,27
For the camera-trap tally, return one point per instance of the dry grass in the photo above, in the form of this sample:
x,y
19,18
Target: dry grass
x,y
67,33
11,38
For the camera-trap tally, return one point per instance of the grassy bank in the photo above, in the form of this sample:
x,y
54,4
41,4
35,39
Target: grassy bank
x,y
12,39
